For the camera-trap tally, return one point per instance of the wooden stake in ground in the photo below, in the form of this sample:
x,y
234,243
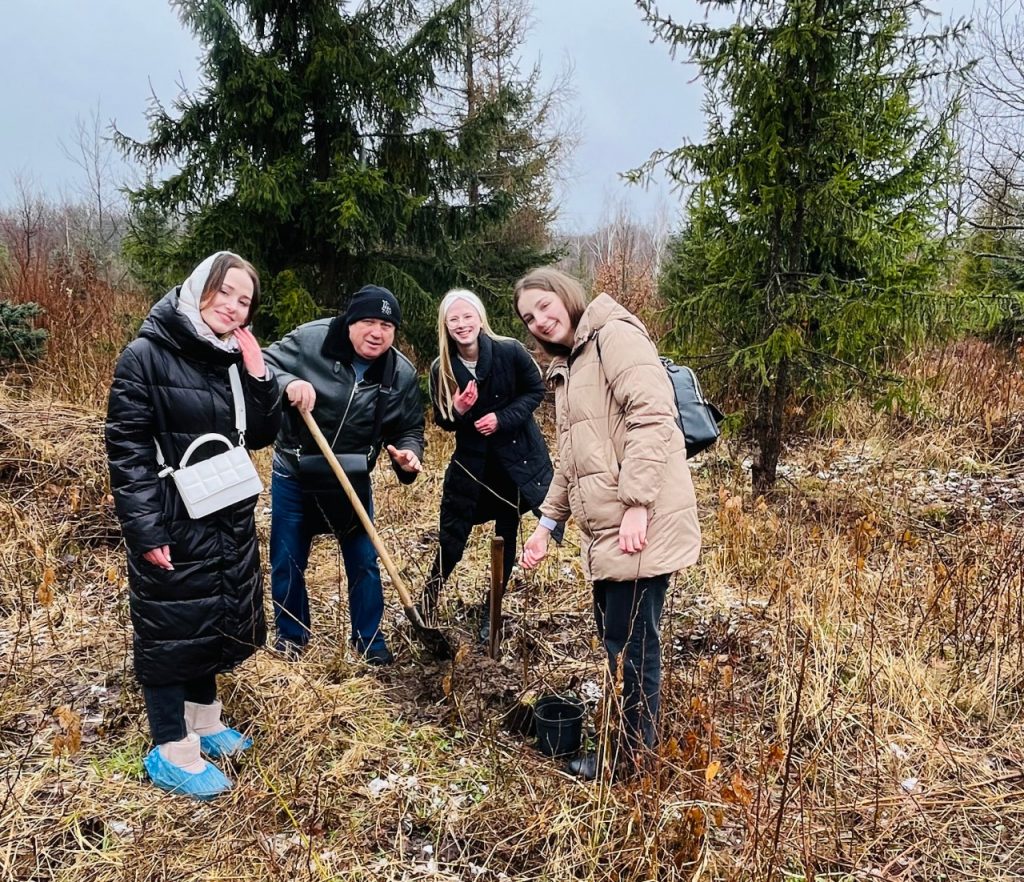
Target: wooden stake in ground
x,y
497,590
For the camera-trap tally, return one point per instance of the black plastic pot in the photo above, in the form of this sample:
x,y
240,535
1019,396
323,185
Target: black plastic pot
x,y
558,720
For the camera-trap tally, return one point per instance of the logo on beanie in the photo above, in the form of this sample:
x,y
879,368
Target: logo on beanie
x,y
385,307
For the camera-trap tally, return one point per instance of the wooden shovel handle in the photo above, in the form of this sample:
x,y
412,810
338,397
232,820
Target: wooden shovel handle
x,y
357,506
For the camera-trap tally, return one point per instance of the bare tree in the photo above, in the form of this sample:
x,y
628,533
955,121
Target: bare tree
x,y
28,239
94,212
993,126
622,257
542,131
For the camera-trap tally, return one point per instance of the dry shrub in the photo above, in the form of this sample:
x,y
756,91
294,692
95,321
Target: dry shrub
x,y
53,470
631,281
842,693
89,312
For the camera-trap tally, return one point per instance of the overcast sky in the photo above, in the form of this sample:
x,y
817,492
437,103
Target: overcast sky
x,y
61,59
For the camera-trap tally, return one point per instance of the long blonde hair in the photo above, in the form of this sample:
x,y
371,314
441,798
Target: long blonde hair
x,y
446,382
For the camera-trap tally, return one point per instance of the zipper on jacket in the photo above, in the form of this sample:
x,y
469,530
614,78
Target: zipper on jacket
x,y
348,407
344,416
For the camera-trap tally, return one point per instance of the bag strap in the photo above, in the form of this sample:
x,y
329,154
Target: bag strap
x,y
238,396
387,385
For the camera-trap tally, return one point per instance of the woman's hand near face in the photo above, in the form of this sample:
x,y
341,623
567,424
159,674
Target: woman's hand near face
x,y
464,400
159,557
252,355
535,548
301,395
487,425
633,530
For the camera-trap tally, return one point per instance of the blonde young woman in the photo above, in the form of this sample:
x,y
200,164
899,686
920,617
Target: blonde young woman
x,y
484,388
622,475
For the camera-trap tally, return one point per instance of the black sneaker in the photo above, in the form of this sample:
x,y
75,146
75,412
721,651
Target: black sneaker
x,y
585,766
378,657
484,631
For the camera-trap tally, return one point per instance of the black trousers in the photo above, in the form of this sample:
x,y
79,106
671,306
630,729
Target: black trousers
x,y
500,506
628,616
165,706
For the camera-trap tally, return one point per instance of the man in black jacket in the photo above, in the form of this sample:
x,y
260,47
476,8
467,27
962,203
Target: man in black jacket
x,y
363,394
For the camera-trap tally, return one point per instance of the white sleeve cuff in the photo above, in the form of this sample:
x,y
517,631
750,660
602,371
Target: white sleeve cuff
x,y
548,523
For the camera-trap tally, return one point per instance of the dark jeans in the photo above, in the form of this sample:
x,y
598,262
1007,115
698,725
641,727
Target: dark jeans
x,y
628,616
291,517
165,706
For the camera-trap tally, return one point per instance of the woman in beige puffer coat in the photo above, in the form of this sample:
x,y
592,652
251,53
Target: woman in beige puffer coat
x,y
622,475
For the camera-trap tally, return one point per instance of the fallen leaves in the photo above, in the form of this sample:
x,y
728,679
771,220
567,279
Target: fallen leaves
x,y
69,739
45,593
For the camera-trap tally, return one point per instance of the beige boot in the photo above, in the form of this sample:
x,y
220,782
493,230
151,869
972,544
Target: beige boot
x,y
204,719
178,767
215,739
184,754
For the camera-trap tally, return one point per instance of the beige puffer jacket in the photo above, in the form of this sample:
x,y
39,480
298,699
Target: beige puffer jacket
x,y
619,446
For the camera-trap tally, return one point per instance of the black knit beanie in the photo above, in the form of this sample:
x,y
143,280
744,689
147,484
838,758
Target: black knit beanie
x,y
372,301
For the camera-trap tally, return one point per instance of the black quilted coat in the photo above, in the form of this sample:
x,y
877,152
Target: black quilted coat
x,y
171,385
510,385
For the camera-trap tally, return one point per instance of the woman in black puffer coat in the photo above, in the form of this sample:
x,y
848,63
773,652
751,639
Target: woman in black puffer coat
x,y
484,388
196,586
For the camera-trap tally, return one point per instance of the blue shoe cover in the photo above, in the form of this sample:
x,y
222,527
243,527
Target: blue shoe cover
x,y
230,742
199,785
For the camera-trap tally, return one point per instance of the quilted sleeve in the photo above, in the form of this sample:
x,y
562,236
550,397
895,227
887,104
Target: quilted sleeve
x,y
641,387
131,456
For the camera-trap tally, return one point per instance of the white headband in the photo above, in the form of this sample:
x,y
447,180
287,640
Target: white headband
x,y
462,294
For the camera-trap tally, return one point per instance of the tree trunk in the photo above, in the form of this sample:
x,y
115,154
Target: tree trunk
x,y
768,428
474,183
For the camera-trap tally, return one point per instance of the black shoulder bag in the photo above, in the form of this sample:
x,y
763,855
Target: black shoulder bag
x,y
698,418
331,510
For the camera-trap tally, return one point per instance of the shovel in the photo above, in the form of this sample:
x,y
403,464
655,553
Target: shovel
x,y
431,638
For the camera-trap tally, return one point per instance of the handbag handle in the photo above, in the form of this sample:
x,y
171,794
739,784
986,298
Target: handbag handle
x,y
199,442
238,399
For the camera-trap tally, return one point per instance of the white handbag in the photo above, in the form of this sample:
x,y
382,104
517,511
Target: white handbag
x,y
221,480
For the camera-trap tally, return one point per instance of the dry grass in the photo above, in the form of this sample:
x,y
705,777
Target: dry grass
x,y
88,314
842,699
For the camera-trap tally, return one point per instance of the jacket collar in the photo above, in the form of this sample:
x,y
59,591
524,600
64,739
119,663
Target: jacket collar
x,y
337,346
602,310
484,360
598,313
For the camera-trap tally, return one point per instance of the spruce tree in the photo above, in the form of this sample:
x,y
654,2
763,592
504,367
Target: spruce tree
x,y
811,243
19,341
308,150
511,141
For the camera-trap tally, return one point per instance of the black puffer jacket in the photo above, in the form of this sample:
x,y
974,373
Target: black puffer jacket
x,y
510,386
206,615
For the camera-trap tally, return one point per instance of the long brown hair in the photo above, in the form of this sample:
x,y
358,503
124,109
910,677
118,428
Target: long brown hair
x,y
564,287
219,271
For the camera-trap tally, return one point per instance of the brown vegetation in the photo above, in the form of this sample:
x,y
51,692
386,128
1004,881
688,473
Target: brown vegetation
x,y
842,699
89,311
